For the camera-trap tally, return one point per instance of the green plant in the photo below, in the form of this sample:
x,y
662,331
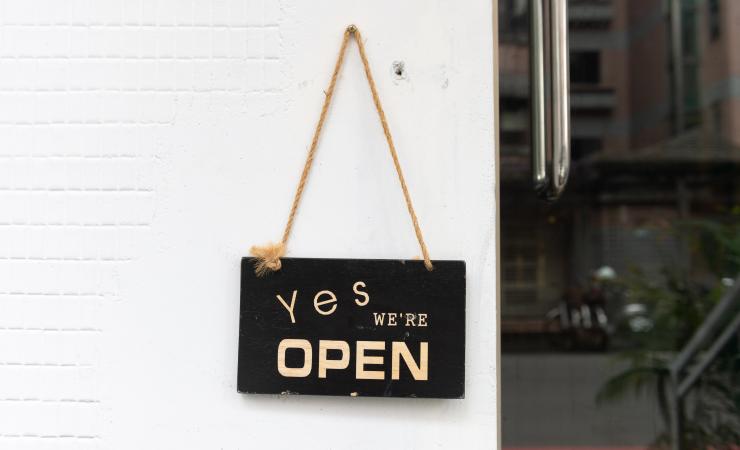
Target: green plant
x,y
678,302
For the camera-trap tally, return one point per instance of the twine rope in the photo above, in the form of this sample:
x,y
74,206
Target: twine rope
x,y
268,256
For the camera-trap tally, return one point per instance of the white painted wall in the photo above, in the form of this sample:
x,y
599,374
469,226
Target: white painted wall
x,y
145,145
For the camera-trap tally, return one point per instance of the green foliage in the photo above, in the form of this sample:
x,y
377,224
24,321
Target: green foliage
x,y
716,243
678,302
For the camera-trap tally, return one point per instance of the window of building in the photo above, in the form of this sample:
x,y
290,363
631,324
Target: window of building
x,y
714,23
585,67
513,21
717,117
582,147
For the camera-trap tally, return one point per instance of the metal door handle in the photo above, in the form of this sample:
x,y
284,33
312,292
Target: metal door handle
x,y
550,15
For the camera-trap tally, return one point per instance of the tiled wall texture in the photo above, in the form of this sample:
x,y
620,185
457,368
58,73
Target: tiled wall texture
x,y
89,93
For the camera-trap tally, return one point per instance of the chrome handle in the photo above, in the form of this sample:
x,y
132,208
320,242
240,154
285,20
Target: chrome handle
x,y
552,14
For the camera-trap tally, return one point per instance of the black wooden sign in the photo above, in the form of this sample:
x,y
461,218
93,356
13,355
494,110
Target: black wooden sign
x,y
353,327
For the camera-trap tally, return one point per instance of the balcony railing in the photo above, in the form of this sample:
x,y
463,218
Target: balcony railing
x,y
590,97
588,12
720,326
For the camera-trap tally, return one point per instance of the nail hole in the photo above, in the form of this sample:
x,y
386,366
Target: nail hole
x,y
399,70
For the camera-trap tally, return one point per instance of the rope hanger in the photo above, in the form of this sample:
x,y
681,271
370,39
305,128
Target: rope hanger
x,y
268,256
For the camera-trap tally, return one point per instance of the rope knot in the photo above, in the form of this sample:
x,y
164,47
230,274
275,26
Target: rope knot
x,y
268,258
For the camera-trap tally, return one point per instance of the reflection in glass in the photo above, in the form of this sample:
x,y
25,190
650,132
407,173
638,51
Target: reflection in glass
x,y
604,290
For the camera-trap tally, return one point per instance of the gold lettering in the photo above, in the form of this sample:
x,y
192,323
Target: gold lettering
x,y
379,318
410,319
362,360
422,320
325,363
420,371
292,305
294,372
364,294
332,299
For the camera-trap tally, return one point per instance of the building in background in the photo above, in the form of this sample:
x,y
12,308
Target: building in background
x,y
655,138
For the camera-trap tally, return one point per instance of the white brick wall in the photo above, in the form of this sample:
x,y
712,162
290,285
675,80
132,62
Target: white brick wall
x,y
88,95
145,144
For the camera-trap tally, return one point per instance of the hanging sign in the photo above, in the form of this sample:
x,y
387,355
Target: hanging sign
x,y
355,327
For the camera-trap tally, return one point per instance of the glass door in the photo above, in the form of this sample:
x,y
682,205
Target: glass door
x,y
621,299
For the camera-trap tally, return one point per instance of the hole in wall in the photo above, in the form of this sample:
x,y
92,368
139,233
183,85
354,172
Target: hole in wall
x,y
398,70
